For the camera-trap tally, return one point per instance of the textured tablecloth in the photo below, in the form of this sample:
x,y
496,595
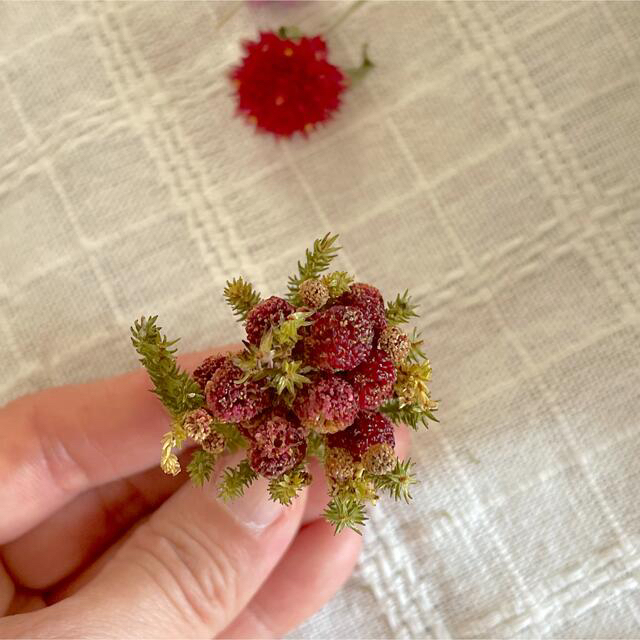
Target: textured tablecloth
x,y
491,163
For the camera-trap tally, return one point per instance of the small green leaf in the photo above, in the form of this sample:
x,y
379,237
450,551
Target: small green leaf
x,y
357,74
233,439
338,282
286,487
290,33
416,354
175,388
412,415
285,335
402,309
316,445
397,483
201,467
316,261
345,513
241,297
235,480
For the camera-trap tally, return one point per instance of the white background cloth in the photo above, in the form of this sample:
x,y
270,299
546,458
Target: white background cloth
x,y
490,163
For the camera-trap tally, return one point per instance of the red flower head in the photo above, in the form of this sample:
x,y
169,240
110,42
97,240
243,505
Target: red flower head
x,y
286,85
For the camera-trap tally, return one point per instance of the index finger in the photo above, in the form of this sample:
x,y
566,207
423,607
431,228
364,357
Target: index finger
x,y
60,442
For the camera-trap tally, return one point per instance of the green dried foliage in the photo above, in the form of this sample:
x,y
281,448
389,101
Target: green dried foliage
x,y
288,378
201,467
233,439
402,309
176,389
255,360
271,360
241,297
286,334
316,261
411,383
286,487
316,445
412,415
397,483
235,480
346,512
357,74
338,282
290,33
416,354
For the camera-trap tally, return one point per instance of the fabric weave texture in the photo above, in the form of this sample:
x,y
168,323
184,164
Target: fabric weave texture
x,y
490,163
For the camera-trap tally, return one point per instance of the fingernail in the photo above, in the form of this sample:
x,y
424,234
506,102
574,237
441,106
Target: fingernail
x,y
254,509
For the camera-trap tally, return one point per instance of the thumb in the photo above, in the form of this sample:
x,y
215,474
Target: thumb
x,y
187,571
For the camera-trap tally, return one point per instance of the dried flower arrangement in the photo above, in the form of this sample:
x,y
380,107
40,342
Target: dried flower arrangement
x,y
325,373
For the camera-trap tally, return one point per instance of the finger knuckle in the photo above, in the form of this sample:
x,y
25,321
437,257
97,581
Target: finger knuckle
x,y
195,572
64,468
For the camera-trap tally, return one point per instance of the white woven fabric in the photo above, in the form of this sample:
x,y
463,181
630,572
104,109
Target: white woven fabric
x,y
490,163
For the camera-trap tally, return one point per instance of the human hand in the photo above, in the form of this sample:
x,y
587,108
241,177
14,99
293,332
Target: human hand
x,y
96,541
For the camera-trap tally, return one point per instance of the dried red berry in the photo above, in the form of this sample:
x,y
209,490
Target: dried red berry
x,y
286,85
339,465
278,444
232,402
209,366
373,380
198,424
368,429
369,300
314,293
379,459
266,314
214,443
396,343
340,339
326,405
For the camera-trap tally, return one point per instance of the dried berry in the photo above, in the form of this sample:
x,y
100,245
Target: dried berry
x,y
373,380
340,339
314,293
266,314
395,343
326,405
214,443
278,444
368,429
339,465
209,366
197,424
284,85
232,402
369,300
379,459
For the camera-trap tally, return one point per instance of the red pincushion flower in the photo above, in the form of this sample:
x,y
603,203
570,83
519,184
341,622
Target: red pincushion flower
x,y
286,85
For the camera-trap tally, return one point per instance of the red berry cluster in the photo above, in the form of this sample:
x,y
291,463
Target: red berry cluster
x,y
351,376
324,374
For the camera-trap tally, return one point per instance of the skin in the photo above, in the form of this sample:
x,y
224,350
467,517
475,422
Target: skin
x,y
96,541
